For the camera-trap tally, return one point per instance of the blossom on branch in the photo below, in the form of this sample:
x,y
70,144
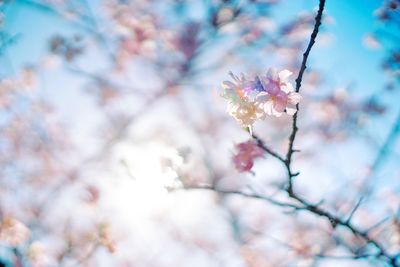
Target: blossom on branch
x,y
279,95
240,105
246,153
252,99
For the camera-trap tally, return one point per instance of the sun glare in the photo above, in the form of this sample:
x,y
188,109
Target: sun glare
x,y
145,174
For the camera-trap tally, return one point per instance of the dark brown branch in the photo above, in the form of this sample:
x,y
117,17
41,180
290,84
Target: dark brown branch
x,y
355,209
299,79
337,221
269,151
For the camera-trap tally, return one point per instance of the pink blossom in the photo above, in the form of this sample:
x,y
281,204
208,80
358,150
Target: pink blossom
x,y
279,95
246,153
250,100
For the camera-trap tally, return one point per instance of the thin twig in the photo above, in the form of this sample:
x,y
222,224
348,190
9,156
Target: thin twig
x,y
383,152
355,209
261,144
244,194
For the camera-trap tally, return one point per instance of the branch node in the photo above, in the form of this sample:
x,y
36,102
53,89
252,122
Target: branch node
x,y
295,174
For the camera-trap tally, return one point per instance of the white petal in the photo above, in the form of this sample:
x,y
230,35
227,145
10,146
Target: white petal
x,y
290,111
228,85
276,113
294,98
287,88
284,74
268,107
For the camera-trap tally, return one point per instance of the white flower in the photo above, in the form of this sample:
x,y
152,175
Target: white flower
x,y
245,110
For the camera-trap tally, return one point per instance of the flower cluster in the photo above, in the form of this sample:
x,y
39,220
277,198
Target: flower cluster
x,y
250,100
253,99
246,153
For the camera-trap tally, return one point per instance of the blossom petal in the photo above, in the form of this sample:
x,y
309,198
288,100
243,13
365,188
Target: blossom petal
x,y
268,107
276,113
280,106
228,85
284,74
294,98
287,88
290,111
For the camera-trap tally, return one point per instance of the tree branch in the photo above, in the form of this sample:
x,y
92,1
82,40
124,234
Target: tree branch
x,y
304,204
299,79
267,150
244,194
316,210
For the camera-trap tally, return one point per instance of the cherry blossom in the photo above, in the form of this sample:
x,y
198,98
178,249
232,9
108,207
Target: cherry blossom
x,y
279,95
250,100
240,105
246,153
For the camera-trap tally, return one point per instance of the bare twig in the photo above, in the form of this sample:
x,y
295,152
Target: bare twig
x,y
244,194
382,153
299,79
261,144
355,209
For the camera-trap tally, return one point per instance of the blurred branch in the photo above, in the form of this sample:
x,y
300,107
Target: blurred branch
x,y
353,211
7,40
48,8
247,195
320,255
18,257
382,153
316,210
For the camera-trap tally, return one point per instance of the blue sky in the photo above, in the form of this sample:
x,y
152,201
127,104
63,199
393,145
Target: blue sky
x,y
347,59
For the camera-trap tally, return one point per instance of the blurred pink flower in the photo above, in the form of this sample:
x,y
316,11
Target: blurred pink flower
x,y
246,153
13,232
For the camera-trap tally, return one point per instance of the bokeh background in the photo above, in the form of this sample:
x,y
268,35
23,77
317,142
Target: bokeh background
x,y
111,115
